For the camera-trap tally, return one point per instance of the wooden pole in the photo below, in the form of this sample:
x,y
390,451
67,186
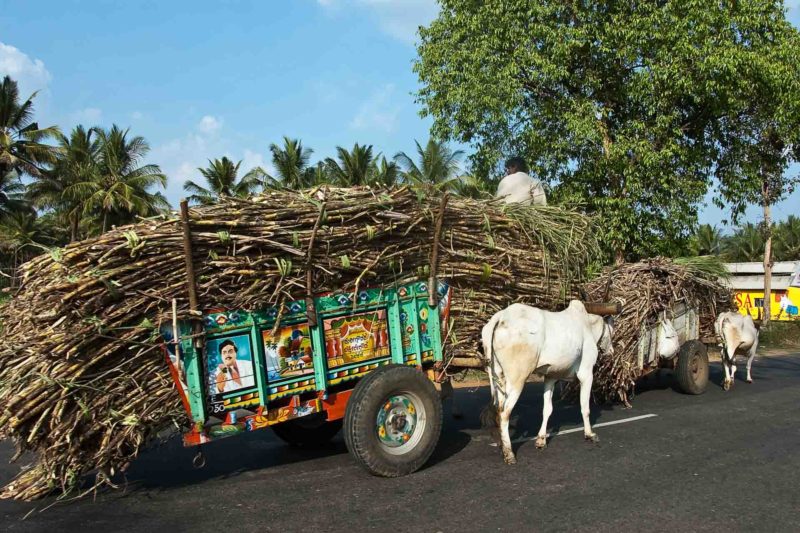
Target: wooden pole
x,y
433,289
603,308
191,286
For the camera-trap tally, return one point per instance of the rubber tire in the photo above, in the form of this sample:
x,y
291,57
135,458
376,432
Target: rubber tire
x,y
360,433
302,433
688,382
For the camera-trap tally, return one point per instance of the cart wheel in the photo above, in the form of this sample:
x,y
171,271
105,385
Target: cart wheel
x,y
692,369
393,421
309,431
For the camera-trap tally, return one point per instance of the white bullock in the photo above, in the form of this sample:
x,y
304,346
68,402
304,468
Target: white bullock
x,y
739,335
521,340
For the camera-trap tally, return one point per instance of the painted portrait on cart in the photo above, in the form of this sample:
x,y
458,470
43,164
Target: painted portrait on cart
x,y
230,365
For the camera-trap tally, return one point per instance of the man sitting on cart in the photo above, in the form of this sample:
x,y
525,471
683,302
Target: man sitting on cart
x,y
518,186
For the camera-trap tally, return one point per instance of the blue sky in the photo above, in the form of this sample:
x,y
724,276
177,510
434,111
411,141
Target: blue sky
x,y
204,79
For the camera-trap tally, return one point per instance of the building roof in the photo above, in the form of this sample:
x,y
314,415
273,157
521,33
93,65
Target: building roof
x,y
750,276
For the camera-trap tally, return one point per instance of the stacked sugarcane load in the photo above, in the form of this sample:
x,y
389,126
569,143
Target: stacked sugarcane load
x,y
646,289
83,381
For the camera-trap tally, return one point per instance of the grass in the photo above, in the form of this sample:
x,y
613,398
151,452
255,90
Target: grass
x,y
780,335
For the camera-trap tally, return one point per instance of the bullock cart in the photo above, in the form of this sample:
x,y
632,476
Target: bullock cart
x,y
364,362
679,325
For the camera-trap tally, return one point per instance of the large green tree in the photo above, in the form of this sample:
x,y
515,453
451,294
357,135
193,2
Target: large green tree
x,y
222,179
21,139
761,131
613,103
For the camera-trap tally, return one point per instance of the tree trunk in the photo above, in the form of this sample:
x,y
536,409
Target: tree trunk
x,y
105,220
73,228
767,257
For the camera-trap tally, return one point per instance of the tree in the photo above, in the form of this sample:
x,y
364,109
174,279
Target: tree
x,y
787,240
438,164
386,173
11,195
473,186
611,103
707,240
745,245
761,133
354,167
221,177
121,189
291,164
21,147
76,162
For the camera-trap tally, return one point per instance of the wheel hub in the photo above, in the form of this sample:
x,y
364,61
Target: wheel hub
x,y
397,420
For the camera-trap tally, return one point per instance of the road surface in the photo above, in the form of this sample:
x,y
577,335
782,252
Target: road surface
x,y
720,461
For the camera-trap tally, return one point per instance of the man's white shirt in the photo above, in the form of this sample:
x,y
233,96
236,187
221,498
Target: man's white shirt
x,y
521,188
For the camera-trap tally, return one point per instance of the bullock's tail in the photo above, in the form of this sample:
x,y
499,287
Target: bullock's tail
x,y
489,414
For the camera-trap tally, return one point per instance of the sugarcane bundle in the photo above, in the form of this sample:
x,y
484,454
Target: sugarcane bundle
x,y
646,289
83,381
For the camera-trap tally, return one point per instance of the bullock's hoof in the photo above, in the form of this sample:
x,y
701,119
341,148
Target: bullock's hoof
x,y
540,443
726,385
593,438
510,459
749,380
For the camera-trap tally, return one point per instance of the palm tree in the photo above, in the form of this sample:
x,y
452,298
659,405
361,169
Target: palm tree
x,y
76,162
747,244
291,164
472,186
438,164
787,240
386,173
11,195
21,148
318,174
121,189
221,177
353,167
707,240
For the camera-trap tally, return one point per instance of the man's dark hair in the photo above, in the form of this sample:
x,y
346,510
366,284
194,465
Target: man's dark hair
x,y
517,163
228,343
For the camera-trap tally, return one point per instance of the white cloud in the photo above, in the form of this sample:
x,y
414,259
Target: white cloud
x,y
378,112
137,115
90,116
30,74
209,124
398,18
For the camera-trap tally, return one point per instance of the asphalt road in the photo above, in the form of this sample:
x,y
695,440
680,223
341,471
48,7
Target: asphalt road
x,y
720,461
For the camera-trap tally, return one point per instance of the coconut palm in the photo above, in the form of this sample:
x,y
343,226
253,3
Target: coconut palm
x,y
354,167
707,240
787,240
76,162
120,191
221,177
21,147
472,186
11,195
291,164
386,173
747,244
438,164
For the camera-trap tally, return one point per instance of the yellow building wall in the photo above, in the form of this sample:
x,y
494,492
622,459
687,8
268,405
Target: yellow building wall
x,y
746,301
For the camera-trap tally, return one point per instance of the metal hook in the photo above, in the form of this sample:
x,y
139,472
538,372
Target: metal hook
x,y
199,460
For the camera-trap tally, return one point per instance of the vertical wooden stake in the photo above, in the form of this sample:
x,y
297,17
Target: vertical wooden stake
x,y
433,289
190,278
